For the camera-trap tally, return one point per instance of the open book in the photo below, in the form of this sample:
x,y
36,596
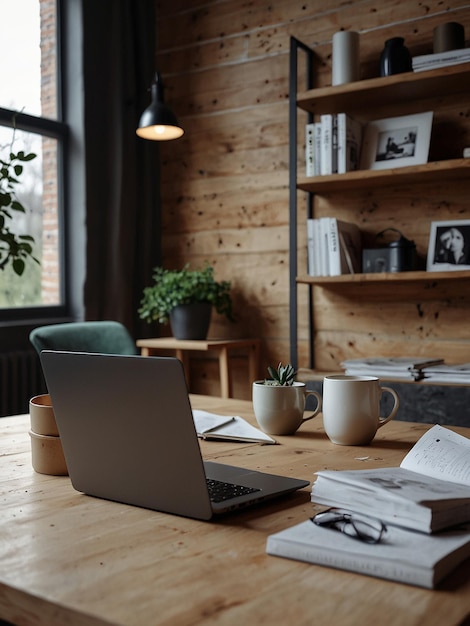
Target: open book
x,y
403,555
235,428
428,492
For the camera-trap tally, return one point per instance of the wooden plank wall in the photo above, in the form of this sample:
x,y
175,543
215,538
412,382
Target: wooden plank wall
x,y
225,183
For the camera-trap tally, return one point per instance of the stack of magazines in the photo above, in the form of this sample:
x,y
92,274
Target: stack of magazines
x,y
402,368
447,373
440,59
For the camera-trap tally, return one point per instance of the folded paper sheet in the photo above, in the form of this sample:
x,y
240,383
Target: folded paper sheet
x,y
212,426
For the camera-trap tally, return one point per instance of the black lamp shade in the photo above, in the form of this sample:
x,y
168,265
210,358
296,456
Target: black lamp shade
x,y
158,122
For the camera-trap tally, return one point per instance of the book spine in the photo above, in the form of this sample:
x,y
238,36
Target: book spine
x,y
353,143
317,149
334,256
380,568
310,247
334,145
350,247
341,158
310,149
324,246
313,247
317,246
326,144
347,263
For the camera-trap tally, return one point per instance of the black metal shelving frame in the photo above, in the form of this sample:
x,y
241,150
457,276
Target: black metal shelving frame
x,y
297,47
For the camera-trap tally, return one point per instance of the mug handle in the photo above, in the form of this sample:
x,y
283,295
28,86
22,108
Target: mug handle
x,y
319,404
393,412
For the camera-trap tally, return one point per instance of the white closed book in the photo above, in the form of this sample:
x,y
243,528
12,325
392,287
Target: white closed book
x,y
317,150
349,143
344,247
310,149
402,555
326,158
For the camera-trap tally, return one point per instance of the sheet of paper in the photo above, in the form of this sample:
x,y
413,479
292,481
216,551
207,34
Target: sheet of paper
x,y
205,422
241,429
227,427
441,453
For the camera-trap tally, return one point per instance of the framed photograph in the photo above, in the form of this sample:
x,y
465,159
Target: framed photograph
x,y
396,142
449,246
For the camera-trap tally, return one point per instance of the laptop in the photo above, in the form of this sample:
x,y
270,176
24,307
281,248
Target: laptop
x,y
128,435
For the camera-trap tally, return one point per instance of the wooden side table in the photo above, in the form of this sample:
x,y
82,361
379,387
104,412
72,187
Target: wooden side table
x,y
223,347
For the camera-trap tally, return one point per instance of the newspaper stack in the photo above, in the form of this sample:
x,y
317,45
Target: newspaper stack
x,y
440,59
402,368
448,373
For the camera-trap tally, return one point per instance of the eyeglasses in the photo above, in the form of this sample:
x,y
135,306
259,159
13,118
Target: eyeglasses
x,y
361,527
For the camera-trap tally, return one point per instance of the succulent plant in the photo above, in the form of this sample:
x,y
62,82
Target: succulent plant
x,y
283,376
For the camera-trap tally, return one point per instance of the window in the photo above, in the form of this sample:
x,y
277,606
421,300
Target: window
x,y
30,123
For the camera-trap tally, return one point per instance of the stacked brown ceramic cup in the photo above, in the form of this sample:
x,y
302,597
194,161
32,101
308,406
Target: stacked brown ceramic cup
x,y
46,447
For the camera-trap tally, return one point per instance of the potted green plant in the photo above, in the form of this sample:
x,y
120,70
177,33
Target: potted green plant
x,y
14,249
185,298
279,401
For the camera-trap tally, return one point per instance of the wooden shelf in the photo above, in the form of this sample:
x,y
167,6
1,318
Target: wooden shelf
x,y
409,198
359,179
396,278
367,94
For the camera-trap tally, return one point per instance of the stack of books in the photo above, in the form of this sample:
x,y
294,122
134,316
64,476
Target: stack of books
x,y
333,247
332,145
440,59
402,368
429,492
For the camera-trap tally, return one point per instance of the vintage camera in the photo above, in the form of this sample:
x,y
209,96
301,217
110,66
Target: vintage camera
x,y
397,256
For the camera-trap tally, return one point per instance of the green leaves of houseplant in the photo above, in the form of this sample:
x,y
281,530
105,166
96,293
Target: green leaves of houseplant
x,y
172,288
14,249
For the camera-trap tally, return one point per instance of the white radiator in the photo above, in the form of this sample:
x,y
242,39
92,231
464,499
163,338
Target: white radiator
x,y
21,378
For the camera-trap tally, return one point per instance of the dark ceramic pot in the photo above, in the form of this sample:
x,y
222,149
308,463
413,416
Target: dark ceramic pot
x,y
395,57
191,321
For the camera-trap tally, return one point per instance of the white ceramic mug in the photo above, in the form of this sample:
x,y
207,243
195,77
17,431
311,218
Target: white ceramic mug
x,y
280,410
351,408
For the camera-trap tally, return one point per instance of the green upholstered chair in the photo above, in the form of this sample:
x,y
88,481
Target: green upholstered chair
x,y
105,337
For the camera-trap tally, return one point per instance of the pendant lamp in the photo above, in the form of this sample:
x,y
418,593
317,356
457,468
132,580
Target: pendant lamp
x,y
158,122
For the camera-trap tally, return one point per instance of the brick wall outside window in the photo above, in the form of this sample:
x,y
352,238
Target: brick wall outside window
x,y
50,273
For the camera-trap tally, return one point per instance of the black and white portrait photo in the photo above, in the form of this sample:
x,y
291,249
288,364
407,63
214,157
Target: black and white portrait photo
x,y
449,245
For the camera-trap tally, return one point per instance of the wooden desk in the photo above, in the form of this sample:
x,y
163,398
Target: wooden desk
x,y
67,558
222,347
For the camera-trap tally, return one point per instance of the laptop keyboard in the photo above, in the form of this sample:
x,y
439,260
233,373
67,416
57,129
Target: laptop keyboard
x,y
220,491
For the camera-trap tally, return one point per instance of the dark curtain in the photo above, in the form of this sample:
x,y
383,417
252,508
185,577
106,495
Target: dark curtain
x,y
122,170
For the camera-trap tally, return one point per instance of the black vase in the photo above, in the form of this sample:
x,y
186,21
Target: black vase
x,y
395,57
191,321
